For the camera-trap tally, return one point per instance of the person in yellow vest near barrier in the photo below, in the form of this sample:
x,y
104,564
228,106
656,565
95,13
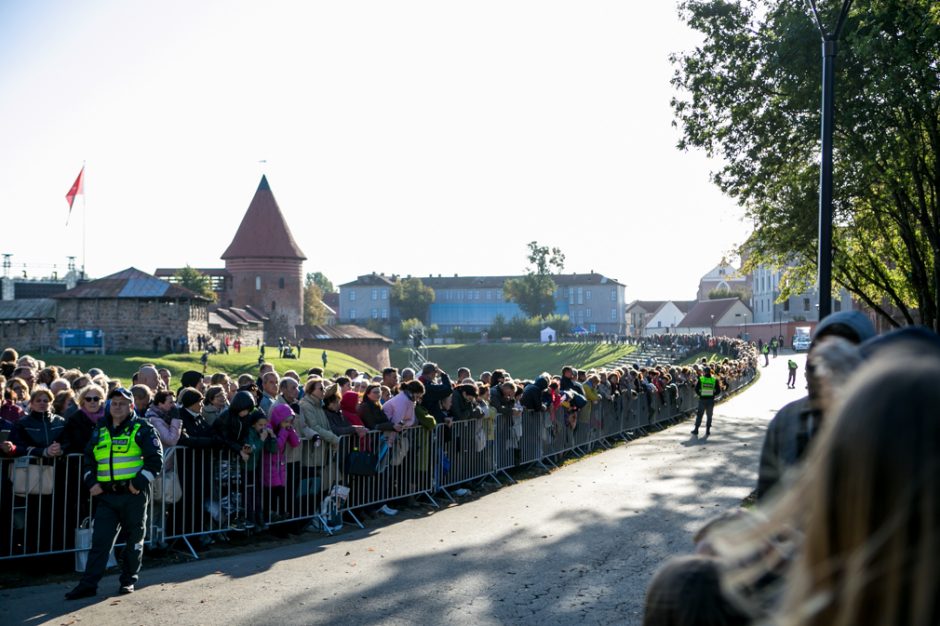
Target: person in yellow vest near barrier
x,y
121,460
707,388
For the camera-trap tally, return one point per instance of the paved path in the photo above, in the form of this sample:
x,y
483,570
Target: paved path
x,y
576,546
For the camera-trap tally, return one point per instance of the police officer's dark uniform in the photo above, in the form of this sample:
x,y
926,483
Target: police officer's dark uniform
x,y
707,388
122,458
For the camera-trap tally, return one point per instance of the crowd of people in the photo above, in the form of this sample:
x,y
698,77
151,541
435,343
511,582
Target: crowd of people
x,y
279,429
845,529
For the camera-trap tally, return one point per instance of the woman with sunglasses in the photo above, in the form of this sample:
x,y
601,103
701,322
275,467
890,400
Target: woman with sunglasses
x,y
81,423
20,392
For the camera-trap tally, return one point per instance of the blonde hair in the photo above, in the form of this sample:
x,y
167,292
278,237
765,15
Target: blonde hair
x,y
84,391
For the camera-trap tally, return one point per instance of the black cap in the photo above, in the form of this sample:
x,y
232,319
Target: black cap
x,y
120,391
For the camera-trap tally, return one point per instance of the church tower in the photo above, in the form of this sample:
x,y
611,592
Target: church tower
x,y
265,266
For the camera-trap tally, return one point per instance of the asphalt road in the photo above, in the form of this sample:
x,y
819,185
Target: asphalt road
x,y
576,546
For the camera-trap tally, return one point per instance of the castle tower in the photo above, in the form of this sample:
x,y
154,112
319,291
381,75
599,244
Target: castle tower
x,y
265,265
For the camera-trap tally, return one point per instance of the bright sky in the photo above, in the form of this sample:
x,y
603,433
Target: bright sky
x,y
409,137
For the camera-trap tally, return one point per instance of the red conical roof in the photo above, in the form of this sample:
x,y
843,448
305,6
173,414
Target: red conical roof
x,y
263,231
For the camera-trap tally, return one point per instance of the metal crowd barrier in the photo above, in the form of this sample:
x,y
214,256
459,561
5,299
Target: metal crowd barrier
x,y
210,491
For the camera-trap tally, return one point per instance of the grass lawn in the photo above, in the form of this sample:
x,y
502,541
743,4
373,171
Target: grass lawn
x,y
710,357
123,365
521,360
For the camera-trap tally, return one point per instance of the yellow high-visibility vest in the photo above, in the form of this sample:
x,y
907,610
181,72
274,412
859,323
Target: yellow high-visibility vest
x,y
119,458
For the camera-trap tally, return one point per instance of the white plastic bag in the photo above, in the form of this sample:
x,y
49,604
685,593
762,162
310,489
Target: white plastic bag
x,y
83,536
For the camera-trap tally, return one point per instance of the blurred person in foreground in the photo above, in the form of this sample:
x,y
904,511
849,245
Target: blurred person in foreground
x,y
794,426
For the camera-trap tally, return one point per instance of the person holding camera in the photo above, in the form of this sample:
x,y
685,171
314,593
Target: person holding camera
x,y
123,457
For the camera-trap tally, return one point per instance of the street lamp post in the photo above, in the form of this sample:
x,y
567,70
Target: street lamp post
x,y
824,255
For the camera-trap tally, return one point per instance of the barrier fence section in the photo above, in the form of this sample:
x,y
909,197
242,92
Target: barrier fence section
x,y
304,483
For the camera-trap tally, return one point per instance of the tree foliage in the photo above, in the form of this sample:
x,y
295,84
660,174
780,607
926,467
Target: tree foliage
x,y
321,281
721,293
195,281
535,291
412,298
529,329
750,95
315,313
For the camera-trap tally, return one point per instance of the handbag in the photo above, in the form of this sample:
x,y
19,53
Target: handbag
x,y
360,463
30,479
83,537
167,488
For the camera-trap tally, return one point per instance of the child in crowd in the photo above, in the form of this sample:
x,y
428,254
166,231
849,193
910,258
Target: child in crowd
x,y
260,439
275,462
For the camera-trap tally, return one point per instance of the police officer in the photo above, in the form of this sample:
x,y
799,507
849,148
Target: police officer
x,y
707,389
122,458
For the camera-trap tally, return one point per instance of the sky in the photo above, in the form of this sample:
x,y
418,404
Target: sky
x,y
405,137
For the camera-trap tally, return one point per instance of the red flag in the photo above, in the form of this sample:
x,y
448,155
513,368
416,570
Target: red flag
x,y
77,189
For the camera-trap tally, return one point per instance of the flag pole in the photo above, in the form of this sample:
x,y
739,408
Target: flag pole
x,y
84,216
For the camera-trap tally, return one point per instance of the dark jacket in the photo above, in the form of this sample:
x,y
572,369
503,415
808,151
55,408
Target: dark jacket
x,y
339,424
197,431
460,408
788,436
146,438
35,432
434,393
78,429
570,384
230,429
533,396
373,416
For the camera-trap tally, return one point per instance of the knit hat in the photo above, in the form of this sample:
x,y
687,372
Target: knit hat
x,y
189,397
280,413
911,340
856,321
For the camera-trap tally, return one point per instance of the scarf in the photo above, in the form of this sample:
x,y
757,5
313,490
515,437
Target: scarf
x,y
97,415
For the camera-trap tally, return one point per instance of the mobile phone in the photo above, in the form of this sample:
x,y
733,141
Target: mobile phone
x,y
4,435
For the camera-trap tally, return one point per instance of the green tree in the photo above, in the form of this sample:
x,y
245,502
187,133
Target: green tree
x,y
412,298
321,281
535,292
718,294
195,281
315,312
750,95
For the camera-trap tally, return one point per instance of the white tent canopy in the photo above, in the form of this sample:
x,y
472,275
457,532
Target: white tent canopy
x,y
548,334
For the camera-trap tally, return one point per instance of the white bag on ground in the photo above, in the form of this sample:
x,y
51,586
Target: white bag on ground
x,y
83,535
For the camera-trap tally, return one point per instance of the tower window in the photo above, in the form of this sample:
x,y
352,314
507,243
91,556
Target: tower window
x,y
273,305
280,282
257,283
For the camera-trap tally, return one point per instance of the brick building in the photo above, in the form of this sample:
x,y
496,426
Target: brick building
x,y
356,341
132,309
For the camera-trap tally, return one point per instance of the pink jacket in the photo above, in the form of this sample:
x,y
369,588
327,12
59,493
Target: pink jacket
x,y
275,463
400,409
169,434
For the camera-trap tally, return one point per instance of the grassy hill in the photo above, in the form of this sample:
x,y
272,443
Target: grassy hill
x,y
124,365
521,360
